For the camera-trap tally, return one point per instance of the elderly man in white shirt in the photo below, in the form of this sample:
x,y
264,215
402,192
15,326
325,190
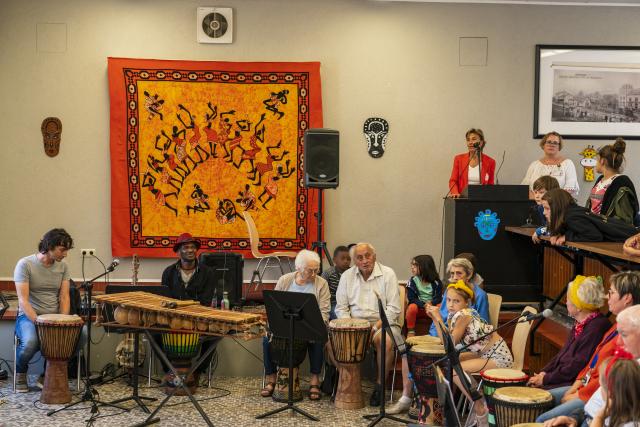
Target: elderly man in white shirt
x,y
628,337
356,297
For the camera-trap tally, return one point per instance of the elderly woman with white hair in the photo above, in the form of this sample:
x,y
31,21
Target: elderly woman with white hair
x,y
304,279
462,269
585,296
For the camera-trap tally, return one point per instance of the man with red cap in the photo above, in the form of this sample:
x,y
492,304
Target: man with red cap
x,y
189,280
186,279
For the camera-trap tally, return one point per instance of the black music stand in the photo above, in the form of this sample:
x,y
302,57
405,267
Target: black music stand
x,y
383,359
294,315
4,306
112,289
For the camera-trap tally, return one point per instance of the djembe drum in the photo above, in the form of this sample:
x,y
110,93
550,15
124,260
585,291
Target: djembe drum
x,y
493,379
421,360
349,342
422,339
180,349
517,405
58,335
279,348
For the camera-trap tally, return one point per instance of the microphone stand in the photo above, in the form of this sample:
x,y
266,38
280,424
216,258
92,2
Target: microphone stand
x,y
90,394
383,359
479,154
4,306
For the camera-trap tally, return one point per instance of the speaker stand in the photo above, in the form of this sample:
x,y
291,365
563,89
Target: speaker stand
x,y
319,245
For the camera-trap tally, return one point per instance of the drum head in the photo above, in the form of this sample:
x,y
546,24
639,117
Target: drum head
x,y
422,339
349,323
59,318
428,349
502,374
522,395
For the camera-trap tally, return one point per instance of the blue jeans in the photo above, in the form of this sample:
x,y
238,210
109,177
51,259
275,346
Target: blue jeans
x,y
316,357
566,408
332,312
29,344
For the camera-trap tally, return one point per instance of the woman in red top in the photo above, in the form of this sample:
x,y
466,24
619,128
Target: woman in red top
x,y
465,166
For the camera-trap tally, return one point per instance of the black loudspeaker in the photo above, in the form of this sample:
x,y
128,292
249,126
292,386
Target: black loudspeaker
x,y
228,268
321,158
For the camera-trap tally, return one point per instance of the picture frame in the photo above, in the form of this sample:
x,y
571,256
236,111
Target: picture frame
x,y
587,92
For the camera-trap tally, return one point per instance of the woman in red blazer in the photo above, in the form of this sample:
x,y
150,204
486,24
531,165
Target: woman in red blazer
x,y
465,166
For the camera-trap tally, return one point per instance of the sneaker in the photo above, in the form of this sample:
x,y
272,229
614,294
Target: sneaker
x,y
400,407
21,383
375,396
40,382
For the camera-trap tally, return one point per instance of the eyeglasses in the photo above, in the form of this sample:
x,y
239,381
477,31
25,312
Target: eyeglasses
x,y
552,143
311,270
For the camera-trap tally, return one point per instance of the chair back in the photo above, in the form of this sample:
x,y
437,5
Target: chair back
x,y
254,237
495,301
519,342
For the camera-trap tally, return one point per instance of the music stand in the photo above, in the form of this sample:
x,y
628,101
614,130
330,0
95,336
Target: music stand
x,y
4,306
112,289
294,315
383,359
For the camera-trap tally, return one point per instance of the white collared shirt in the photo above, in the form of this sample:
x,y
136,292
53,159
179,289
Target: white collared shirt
x,y
355,296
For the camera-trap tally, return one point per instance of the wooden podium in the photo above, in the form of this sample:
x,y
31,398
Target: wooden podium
x,y
510,265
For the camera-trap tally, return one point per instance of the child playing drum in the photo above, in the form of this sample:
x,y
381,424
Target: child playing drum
x,y
465,326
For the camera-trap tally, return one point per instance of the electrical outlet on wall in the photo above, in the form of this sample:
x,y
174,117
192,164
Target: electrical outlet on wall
x,y
87,252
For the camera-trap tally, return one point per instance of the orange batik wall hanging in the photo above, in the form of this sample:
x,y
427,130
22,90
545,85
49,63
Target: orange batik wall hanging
x,y
194,144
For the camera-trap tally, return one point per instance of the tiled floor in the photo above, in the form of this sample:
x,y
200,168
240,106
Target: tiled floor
x,y
235,402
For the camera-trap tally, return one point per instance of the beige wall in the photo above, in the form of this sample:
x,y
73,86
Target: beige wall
x,y
396,60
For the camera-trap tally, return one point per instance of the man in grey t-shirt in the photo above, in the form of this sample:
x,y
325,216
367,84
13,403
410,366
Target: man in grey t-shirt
x,y
42,285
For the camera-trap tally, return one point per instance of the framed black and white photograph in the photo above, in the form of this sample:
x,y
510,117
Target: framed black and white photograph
x,y
587,92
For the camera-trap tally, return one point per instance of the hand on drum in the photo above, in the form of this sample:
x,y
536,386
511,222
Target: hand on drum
x,y
561,421
536,380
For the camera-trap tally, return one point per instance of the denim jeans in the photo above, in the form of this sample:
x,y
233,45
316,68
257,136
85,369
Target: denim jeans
x,y
314,349
29,344
559,409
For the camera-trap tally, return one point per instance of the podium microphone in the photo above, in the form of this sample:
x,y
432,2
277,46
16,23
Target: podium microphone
x,y
113,265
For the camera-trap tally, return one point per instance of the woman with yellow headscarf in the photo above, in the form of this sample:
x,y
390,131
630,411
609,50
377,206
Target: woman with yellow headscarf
x,y
585,296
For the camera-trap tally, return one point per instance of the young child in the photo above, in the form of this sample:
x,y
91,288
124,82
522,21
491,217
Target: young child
x,y
620,387
465,326
540,187
341,262
424,288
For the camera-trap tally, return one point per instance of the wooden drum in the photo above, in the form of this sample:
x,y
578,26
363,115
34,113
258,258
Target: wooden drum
x,y
517,405
180,349
493,379
349,342
58,335
279,348
421,340
421,360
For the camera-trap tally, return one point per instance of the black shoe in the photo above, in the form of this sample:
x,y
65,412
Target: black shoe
x,y
375,396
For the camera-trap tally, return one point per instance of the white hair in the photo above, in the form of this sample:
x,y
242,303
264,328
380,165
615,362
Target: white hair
x,y
304,257
631,315
366,245
462,263
591,292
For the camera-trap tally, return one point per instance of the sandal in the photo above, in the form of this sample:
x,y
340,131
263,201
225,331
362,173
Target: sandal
x,y
268,389
314,392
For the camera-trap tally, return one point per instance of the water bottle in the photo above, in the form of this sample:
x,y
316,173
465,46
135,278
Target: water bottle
x,y
225,301
214,300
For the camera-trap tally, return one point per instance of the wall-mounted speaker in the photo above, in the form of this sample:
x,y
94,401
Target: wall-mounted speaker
x,y
214,25
321,158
